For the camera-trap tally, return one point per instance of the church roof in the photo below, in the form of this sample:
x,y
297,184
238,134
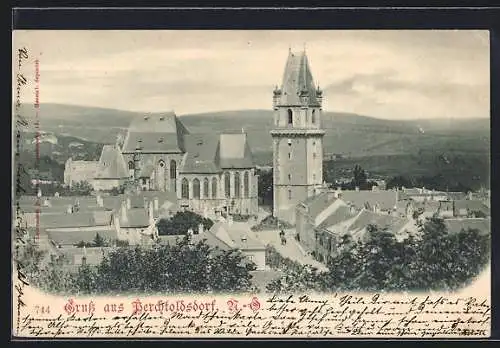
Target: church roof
x,y
209,153
296,79
111,164
162,133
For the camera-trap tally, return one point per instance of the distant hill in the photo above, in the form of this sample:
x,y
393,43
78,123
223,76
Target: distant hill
x,y
349,134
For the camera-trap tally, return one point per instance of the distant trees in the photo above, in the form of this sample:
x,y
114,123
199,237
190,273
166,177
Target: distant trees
x,y
181,222
436,182
432,260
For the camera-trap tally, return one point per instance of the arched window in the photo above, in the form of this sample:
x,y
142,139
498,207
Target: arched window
x,y
227,184
173,176
313,116
185,189
173,169
290,117
246,184
205,188
196,188
131,165
237,184
214,188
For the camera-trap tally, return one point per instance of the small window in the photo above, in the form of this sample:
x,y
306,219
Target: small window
x,y
162,164
289,155
314,155
289,176
290,117
314,176
313,117
289,142
289,194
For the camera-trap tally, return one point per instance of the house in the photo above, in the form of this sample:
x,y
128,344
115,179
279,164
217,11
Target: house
x,y
356,227
470,208
234,236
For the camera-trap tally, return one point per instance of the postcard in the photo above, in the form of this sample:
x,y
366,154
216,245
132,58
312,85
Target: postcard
x,y
251,184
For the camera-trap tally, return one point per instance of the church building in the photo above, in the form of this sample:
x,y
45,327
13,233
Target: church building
x,y
211,174
297,138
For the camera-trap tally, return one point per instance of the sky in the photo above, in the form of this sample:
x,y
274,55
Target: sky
x,y
385,74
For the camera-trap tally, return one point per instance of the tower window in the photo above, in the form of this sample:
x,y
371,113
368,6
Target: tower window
x,y
290,117
314,176
289,142
289,155
313,116
289,176
289,194
314,155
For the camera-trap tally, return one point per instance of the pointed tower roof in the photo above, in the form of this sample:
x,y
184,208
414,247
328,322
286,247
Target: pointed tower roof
x,y
297,79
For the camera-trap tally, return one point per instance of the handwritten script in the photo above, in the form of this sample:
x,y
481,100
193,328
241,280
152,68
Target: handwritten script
x,y
335,315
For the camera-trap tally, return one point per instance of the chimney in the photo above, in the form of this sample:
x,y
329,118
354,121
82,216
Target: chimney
x,y
129,204
200,228
150,213
157,203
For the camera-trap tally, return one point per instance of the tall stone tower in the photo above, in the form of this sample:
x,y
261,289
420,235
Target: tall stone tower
x,y
297,138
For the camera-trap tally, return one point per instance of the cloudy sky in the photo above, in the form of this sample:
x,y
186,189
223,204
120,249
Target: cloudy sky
x,y
385,74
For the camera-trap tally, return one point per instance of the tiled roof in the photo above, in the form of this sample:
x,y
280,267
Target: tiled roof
x,y
80,219
297,77
385,199
156,134
94,256
456,195
342,213
64,237
235,236
234,151
111,164
201,154
136,217
366,218
316,204
210,153
456,225
471,205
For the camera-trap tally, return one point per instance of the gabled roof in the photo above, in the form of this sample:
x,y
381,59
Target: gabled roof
x,y
316,204
111,164
342,213
135,217
79,219
456,225
365,218
232,237
297,78
471,205
234,151
385,199
156,134
87,235
209,153
201,154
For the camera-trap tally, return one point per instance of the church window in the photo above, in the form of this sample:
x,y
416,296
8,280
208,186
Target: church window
x,y
290,117
237,185
173,169
289,194
196,188
185,189
227,184
246,183
130,165
214,188
161,164
205,188
313,116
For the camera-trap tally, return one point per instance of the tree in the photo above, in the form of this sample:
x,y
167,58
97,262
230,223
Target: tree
x,y
99,241
181,222
179,268
359,176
